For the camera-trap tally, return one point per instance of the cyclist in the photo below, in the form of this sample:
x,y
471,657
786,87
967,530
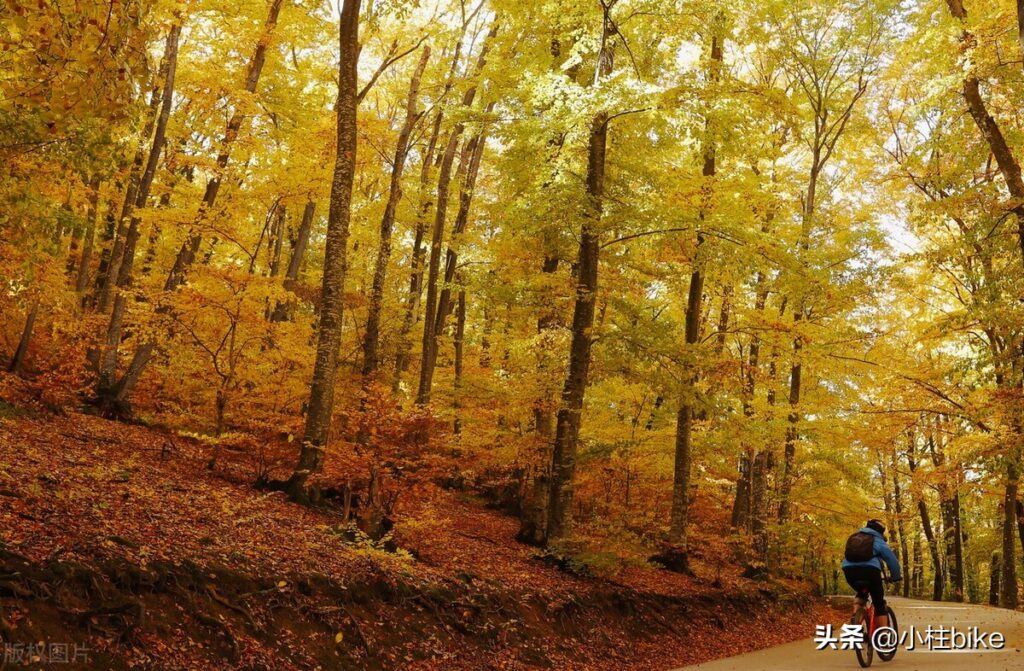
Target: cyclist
x,y
863,569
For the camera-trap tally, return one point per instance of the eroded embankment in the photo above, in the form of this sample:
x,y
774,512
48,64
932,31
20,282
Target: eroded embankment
x,y
119,540
182,615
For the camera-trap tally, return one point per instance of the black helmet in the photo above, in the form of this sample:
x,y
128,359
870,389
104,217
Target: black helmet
x,y
877,525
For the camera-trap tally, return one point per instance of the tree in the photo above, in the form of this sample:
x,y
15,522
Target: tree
x,y
429,353
687,275
567,424
254,68
321,393
1010,170
291,274
372,339
119,270
676,557
830,63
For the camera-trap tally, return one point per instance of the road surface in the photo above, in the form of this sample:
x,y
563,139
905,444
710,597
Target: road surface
x,y
802,655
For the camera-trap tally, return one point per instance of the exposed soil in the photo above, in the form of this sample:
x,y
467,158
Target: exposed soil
x,y
119,540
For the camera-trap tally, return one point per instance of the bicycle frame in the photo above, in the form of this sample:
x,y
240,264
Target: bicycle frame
x,y
866,605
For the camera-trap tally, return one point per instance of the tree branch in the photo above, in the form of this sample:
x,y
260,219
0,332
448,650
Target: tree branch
x,y
388,61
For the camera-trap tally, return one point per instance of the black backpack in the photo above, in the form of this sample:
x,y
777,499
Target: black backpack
x,y
860,547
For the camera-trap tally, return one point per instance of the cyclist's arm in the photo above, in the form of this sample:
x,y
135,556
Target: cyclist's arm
x,y
886,553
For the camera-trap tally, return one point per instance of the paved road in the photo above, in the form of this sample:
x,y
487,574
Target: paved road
x,y
802,655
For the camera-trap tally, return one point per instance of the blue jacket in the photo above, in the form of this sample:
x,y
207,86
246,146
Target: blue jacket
x,y
881,550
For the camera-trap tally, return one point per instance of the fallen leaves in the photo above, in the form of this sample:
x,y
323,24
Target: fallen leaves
x,y
477,598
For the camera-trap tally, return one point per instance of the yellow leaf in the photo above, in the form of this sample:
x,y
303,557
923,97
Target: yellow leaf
x,y
339,637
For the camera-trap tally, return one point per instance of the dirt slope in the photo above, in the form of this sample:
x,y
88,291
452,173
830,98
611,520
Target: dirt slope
x,y
117,539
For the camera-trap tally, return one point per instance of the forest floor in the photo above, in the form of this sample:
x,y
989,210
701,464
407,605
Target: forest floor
x,y
119,546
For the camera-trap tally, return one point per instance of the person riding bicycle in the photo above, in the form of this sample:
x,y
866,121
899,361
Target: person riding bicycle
x,y
863,568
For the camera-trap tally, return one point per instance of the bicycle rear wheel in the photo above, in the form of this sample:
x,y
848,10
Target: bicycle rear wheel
x,y
865,652
887,656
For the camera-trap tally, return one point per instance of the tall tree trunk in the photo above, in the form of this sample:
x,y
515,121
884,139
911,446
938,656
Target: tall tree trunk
x,y
124,277
826,134
954,545
897,497
111,267
970,573
723,320
761,467
460,337
759,509
85,261
188,250
108,357
412,299
254,68
472,153
994,581
154,232
743,505
131,377
1008,572
933,548
119,273
917,577
272,221
432,158
535,505
141,179
677,535
282,311
107,236
291,274
429,353
18,360
274,266
110,263
176,173
372,337
792,431
949,506
321,394
883,477
677,557
536,477
77,232
926,523
1020,523
567,425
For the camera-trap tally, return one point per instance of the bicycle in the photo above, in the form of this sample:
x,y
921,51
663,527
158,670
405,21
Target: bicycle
x,y
864,617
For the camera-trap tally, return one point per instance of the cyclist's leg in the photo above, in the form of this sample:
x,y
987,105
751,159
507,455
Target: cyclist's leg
x,y
855,579
877,589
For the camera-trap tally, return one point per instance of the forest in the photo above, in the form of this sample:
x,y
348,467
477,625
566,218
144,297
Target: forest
x,y
422,307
